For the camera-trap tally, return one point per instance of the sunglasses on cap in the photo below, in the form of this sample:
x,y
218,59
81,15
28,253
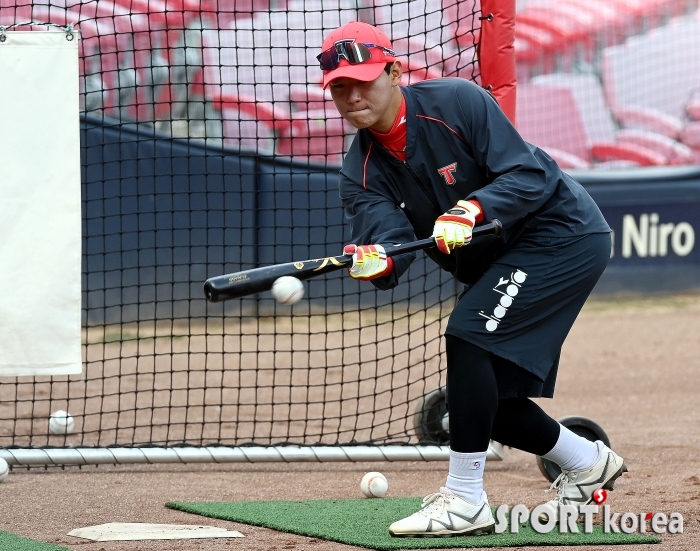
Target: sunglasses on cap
x,y
353,52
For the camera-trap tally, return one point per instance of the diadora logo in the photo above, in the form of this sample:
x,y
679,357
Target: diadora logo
x,y
447,173
508,288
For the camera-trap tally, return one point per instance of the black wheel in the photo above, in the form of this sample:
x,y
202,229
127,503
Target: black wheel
x,y
590,430
430,419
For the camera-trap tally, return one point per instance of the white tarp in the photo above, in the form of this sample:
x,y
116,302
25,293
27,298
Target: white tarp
x,y
40,220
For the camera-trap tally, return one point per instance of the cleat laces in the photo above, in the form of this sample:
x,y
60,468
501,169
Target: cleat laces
x,y
559,483
435,503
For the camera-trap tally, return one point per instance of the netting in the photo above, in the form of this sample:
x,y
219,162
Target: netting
x,y
610,84
208,147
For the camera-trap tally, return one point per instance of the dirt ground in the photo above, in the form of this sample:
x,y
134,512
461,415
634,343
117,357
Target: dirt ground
x,y
631,365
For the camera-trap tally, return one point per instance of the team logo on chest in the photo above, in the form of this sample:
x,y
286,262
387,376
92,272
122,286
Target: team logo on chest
x,y
447,173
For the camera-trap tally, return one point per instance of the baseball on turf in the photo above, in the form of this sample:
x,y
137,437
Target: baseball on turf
x,y
61,422
374,485
4,469
287,290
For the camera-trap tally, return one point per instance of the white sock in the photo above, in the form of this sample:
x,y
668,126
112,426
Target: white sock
x,y
573,452
466,476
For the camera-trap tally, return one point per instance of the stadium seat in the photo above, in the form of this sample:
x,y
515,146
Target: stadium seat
x,y
223,13
573,29
690,135
551,115
314,135
600,127
676,153
250,124
310,98
655,72
692,108
660,97
537,46
429,29
567,160
460,20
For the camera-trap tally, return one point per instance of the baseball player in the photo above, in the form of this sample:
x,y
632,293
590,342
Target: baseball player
x,y
434,159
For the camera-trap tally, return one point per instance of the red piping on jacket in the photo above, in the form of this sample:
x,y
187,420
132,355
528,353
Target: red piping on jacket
x,y
364,170
443,122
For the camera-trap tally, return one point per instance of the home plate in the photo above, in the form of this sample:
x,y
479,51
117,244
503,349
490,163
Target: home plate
x,y
122,531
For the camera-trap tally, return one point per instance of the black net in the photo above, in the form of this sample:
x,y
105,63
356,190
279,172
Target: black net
x,y
208,147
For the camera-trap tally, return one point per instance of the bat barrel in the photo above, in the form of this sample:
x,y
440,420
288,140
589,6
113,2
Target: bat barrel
x,y
218,289
241,284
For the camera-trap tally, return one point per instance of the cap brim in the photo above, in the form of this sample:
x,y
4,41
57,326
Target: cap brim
x,y
364,72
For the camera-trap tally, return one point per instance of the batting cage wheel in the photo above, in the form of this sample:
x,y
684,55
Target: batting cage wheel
x,y
431,418
588,429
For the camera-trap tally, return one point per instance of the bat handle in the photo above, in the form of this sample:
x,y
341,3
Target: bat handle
x,y
493,228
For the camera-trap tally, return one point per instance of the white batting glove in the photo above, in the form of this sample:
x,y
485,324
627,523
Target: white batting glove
x,y
368,261
454,228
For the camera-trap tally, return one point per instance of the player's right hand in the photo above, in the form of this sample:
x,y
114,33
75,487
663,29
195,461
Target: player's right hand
x,y
368,261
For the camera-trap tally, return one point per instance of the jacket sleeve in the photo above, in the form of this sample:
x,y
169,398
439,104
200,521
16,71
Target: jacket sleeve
x,y
375,219
520,183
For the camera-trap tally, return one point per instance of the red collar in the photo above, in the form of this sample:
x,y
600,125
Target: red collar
x,y
394,141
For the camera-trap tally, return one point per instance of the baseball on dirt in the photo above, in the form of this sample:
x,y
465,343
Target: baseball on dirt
x,y
287,290
4,469
374,485
61,422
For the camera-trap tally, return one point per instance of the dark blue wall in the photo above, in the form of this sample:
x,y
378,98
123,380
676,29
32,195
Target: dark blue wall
x,y
162,215
655,216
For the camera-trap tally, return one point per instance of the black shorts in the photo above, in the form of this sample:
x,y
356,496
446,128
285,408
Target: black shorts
x,y
524,305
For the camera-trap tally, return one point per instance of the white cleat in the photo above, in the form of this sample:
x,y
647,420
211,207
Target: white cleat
x,y
446,514
576,487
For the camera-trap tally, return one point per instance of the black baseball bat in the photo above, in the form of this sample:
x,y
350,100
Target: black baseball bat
x,y
249,282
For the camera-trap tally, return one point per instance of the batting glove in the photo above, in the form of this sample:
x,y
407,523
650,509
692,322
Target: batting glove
x,y
368,261
454,228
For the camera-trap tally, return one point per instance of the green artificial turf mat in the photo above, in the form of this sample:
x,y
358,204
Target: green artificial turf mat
x,y
11,542
365,522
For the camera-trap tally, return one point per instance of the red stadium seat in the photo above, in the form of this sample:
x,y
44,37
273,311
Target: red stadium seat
x,y
573,30
251,125
536,48
692,108
655,73
690,135
567,160
222,13
310,98
567,112
596,117
315,136
548,118
675,152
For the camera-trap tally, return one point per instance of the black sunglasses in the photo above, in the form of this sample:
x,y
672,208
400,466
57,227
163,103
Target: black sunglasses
x,y
354,52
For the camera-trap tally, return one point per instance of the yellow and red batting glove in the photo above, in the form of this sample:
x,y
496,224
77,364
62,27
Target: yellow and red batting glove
x,y
454,228
368,261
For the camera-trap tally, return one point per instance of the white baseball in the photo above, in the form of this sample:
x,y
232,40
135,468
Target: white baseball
x,y
61,422
287,290
4,469
374,485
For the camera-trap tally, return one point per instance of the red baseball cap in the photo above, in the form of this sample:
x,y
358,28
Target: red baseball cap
x,y
364,33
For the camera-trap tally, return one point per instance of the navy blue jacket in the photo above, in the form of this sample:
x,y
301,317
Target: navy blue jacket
x,y
451,121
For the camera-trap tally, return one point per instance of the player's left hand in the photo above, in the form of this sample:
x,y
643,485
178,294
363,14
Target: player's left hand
x,y
454,228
